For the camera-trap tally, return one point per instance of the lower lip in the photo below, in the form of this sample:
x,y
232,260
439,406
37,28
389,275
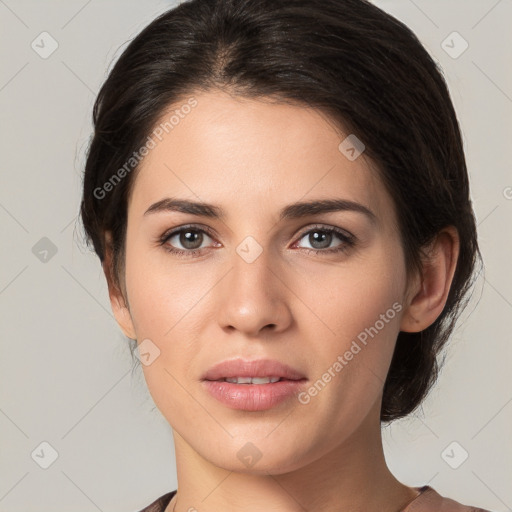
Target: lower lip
x,y
253,397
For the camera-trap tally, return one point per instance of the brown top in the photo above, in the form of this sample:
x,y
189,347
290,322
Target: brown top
x,y
427,501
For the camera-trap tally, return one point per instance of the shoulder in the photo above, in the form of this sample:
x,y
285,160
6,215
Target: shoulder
x,y
429,500
159,504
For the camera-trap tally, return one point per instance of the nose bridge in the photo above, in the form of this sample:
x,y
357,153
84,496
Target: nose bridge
x,y
253,271
253,295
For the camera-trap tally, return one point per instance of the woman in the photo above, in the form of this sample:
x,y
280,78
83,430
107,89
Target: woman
x,y
278,194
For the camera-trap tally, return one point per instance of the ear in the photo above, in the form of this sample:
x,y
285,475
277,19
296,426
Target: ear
x,y
118,301
430,295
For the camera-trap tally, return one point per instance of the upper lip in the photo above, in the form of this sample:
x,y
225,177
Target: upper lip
x,y
254,368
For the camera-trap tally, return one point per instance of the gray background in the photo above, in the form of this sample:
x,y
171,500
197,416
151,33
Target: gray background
x,y
65,367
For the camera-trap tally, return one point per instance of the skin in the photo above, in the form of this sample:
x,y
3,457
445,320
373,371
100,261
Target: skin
x,y
252,158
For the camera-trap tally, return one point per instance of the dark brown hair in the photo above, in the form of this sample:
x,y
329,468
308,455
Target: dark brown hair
x,y
347,58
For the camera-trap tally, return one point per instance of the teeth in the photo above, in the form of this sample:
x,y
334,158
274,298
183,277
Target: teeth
x,y
252,380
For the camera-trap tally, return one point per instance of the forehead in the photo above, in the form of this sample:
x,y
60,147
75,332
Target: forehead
x,y
250,153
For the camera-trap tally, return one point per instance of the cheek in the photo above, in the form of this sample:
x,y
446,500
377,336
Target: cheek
x,y
168,307
360,313
355,311
345,300
162,297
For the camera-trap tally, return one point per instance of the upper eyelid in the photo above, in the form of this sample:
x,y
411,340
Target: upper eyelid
x,y
174,231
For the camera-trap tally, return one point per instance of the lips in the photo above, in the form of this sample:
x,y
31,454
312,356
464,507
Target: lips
x,y
256,368
255,397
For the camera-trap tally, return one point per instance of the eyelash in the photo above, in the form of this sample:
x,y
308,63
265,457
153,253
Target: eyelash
x,y
348,240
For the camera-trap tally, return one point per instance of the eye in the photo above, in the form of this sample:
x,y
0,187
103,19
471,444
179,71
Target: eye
x,y
190,238
320,239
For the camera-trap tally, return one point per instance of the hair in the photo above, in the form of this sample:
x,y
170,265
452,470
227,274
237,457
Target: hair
x,y
346,58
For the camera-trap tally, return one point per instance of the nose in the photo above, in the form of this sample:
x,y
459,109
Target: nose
x,y
254,296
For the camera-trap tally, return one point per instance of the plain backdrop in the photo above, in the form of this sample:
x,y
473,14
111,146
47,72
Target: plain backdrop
x,y
65,367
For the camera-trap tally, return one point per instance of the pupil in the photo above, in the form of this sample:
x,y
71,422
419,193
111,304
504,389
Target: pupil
x,y
188,237
314,238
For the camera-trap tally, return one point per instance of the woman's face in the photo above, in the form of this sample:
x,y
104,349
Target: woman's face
x,y
254,287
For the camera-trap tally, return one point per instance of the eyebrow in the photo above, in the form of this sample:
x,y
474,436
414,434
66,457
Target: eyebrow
x,y
291,211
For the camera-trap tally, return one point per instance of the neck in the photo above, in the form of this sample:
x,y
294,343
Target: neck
x,y
350,476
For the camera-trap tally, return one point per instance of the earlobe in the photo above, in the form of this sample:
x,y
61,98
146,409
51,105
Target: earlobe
x,y
432,292
118,302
